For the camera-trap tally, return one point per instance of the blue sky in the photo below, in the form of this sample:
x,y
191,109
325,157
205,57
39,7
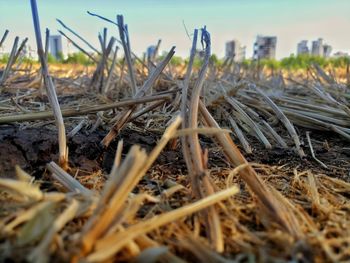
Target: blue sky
x,y
149,20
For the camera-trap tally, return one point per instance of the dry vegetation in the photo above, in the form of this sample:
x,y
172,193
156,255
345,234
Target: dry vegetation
x,y
151,164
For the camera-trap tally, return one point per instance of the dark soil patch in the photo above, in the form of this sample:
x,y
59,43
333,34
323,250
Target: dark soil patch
x,y
329,148
33,148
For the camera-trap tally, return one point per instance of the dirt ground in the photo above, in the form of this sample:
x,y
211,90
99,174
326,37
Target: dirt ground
x,y
32,145
32,148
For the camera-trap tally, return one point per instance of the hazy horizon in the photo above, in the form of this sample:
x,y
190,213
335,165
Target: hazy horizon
x,y
150,20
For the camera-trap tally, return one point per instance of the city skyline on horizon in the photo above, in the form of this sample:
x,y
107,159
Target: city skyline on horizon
x,y
249,19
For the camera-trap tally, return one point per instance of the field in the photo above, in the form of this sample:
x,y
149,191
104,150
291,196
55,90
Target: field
x,y
148,160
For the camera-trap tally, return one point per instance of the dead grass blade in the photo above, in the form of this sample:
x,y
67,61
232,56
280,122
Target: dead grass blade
x,y
199,176
245,117
83,110
289,126
312,151
118,187
4,36
111,244
51,92
21,190
71,184
39,253
10,62
124,37
271,206
247,148
123,117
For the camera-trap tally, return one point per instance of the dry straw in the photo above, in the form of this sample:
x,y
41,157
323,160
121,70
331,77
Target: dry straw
x,y
177,203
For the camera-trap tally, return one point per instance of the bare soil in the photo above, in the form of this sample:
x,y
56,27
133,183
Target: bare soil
x,y
32,148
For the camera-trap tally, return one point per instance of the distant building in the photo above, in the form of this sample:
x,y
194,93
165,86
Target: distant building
x,y
327,50
302,48
320,49
151,52
340,54
235,50
317,48
265,47
55,46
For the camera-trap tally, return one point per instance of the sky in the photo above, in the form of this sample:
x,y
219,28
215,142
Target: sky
x,y
149,20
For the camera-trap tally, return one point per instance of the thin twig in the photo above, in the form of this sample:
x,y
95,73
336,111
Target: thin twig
x,y
312,151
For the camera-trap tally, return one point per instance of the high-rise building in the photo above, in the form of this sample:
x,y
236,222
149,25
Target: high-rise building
x,y
55,46
265,47
327,50
302,48
151,52
320,49
317,47
235,50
